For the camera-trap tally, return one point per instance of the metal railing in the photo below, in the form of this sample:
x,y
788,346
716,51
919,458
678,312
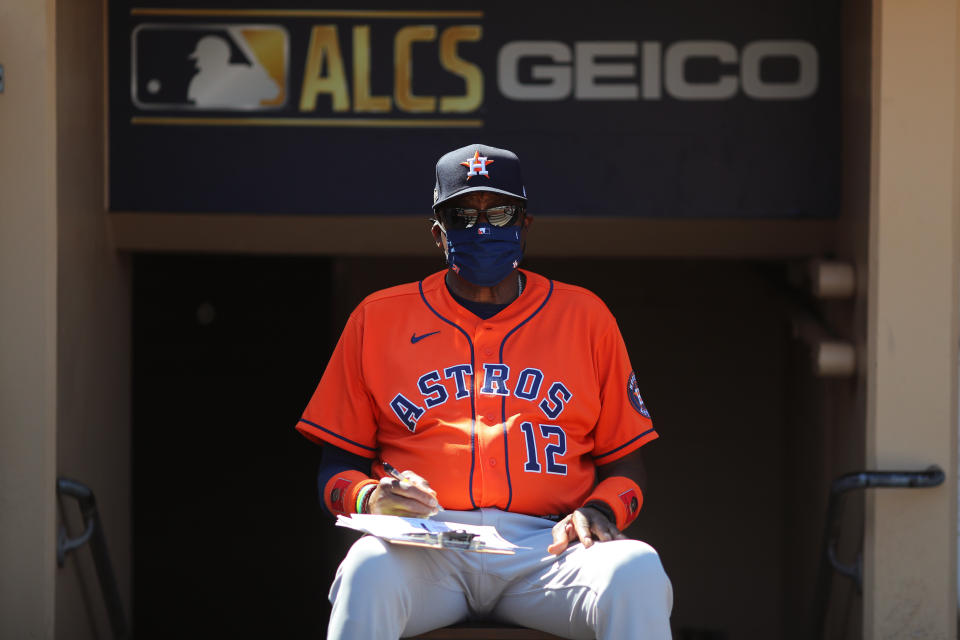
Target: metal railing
x,y
932,477
93,533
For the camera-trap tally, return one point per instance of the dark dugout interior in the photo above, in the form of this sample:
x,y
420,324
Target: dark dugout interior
x,y
229,539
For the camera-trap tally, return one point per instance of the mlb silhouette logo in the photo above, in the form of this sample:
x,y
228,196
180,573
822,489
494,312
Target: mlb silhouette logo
x,y
215,67
483,231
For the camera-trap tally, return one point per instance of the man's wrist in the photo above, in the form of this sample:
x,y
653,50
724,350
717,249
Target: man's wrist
x,y
363,497
622,495
342,490
603,508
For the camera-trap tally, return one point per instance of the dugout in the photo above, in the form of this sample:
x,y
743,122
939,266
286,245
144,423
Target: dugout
x,y
166,312
713,340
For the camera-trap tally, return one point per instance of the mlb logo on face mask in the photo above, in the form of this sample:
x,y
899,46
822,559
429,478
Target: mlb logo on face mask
x,y
209,67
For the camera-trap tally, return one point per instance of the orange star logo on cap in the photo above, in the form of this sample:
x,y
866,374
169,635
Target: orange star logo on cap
x,y
477,165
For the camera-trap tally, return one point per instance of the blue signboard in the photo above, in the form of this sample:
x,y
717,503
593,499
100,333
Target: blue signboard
x,y
683,109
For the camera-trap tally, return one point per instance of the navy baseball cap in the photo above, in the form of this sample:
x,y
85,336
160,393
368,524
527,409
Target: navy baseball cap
x,y
477,167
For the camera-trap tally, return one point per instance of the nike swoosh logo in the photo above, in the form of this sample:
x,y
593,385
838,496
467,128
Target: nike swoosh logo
x,y
414,339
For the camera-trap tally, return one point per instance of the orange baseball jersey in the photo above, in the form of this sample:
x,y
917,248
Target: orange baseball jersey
x,y
512,412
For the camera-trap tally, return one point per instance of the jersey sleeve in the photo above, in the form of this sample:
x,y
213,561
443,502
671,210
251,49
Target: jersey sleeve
x,y
341,410
624,424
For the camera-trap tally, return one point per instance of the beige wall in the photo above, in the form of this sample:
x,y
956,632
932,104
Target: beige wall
x,y
64,322
93,336
28,319
910,548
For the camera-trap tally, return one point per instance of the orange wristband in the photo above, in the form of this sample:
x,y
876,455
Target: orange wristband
x,y
622,495
340,492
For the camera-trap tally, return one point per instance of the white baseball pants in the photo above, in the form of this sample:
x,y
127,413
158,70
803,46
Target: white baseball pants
x,y
614,590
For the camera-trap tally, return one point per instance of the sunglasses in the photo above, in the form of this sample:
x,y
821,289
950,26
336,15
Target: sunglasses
x,y
460,218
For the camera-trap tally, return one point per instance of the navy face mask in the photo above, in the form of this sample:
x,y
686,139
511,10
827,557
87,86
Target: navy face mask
x,y
483,254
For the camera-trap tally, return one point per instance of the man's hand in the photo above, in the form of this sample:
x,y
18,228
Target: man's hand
x,y
411,497
587,525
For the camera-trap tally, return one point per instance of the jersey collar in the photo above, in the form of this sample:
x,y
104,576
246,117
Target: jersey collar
x,y
438,296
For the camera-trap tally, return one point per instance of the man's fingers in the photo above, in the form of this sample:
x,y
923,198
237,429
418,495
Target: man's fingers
x,y
601,533
389,499
600,527
603,530
582,527
400,506
410,491
419,481
422,484
563,532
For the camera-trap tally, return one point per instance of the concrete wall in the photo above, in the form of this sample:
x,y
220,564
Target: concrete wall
x,y
64,322
28,319
912,328
93,336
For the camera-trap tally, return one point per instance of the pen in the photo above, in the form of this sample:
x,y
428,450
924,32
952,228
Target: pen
x,y
389,468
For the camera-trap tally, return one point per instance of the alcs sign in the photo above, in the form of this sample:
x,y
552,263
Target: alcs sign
x,y
246,67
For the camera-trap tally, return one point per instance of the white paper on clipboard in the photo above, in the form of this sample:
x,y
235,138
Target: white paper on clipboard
x,y
435,534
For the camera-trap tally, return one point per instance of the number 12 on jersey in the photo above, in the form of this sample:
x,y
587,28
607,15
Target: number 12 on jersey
x,y
554,447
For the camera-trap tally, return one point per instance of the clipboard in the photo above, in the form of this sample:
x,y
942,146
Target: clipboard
x,y
458,539
430,533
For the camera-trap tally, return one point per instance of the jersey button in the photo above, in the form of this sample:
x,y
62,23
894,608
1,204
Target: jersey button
x,y
488,351
493,462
